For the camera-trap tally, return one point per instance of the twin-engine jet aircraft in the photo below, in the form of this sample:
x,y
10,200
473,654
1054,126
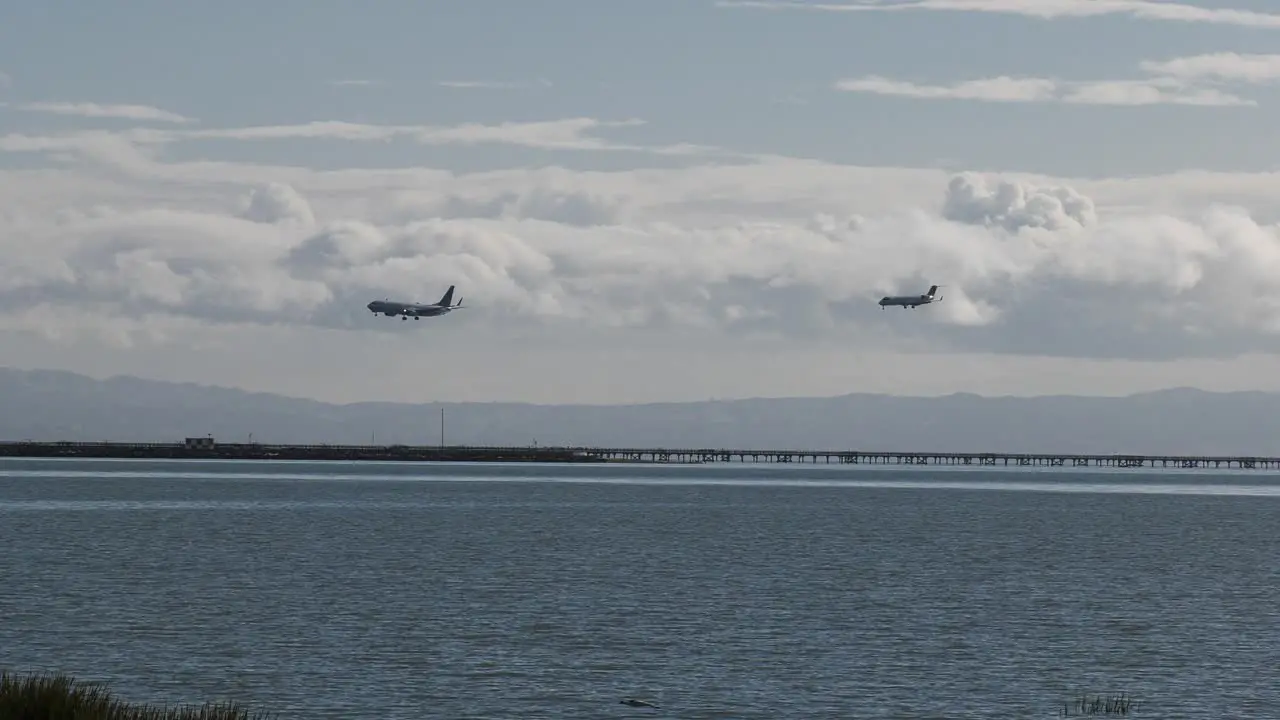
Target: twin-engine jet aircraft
x,y
391,308
911,301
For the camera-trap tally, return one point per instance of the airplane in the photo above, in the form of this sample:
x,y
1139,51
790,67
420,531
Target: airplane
x,y
416,311
911,301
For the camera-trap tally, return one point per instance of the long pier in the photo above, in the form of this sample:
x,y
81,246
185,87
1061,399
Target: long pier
x,y
459,453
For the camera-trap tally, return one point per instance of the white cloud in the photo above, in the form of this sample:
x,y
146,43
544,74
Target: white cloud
x,y
277,202
1149,92
774,248
565,134
1227,66
1179,81
493,84
998,89
96,110
123,150
1041,9
1014,206
568,134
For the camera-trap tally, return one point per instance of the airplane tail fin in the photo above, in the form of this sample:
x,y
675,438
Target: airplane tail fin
x,y
448,297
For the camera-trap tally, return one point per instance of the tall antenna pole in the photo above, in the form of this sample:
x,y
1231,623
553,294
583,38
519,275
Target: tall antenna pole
x,y
441,428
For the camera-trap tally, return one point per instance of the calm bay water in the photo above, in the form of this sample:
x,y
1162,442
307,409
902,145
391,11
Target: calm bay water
x,y
326,590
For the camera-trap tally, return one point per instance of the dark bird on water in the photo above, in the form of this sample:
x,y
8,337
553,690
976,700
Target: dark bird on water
x,y
638,703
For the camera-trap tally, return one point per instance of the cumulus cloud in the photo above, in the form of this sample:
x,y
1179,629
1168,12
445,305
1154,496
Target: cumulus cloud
x,y
277,202
574,207
1040,9
1179,81
1027,265
1014,205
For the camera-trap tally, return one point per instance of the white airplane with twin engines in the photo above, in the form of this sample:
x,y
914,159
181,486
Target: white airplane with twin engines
x,y
911,301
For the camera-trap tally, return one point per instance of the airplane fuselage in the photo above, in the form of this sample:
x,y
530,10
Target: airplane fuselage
x,y
413,310
405,310
910,301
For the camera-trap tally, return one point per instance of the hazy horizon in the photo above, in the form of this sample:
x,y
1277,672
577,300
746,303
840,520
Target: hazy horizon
x,y
56,406
499,401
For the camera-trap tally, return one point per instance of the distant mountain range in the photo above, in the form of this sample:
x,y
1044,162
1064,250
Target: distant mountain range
x,y
49,405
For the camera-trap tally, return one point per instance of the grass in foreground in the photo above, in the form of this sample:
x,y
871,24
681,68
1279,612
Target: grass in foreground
x,y
1098,705
58,697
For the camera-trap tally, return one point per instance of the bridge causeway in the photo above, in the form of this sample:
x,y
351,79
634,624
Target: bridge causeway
x,y
936,458
207,449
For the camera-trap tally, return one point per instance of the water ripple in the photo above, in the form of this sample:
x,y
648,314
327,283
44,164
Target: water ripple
x,y
553,594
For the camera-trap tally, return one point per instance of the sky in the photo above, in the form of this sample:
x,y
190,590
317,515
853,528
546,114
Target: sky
x,y
643,200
